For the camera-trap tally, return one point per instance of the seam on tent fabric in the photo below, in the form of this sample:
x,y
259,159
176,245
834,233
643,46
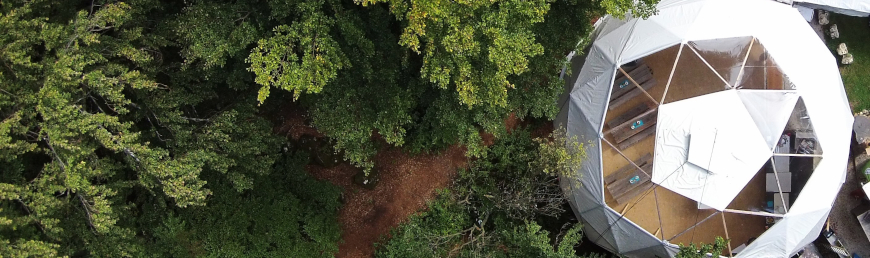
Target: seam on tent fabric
x,y
606,105
703,189
624,44
601,168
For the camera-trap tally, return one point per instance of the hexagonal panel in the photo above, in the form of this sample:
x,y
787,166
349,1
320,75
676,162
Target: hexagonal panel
x,y
735,149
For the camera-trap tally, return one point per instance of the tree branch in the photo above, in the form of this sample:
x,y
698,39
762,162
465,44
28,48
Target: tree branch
x,y
196,119
87,208
59,160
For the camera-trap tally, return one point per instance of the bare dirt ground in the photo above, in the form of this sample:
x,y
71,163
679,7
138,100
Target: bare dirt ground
x,y
843,223
406,183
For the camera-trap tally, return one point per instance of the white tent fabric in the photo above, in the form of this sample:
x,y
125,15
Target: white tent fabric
x,y
800,55
859,8
732,155
769,109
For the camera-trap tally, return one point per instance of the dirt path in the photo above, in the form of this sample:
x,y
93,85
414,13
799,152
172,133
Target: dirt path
x,y
406,183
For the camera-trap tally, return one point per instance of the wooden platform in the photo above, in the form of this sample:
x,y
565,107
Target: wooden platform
x,y
624,90
620,184
633,126
636,124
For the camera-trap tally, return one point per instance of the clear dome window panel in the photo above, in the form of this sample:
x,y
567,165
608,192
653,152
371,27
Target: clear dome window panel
x,y
787,84
744,228
650,72
761,71
798,152
725,55
799,136
692,78
630,109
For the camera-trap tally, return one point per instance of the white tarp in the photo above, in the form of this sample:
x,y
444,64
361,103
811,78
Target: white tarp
x,y
799,54
707,148
770,111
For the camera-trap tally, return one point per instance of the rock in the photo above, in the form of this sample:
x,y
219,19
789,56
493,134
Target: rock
x,y
842,50
861,126
835,33
847,59
823,18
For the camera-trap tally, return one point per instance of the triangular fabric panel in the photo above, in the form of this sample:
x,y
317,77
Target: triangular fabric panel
x,y
608,25
800,225
588,101
611,45
599,221
596,238
787,236
677,16
630,237
584,191
769,110
770,244
647,38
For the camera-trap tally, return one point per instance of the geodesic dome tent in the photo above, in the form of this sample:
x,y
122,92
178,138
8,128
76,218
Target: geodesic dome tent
x,y
710,114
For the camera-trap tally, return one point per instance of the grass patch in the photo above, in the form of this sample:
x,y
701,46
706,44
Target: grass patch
x,y
856,76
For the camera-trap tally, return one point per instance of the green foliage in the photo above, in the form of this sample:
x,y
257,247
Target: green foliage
x,y
510,181
471,46
853,32
560,156
492,211
618,8
132,128
214,31
286,214
447,230
300,58
94,116
461,68
691,251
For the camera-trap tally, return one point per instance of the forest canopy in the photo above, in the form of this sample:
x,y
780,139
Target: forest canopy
x,y
145,127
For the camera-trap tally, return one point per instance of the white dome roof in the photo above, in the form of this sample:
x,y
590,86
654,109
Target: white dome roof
x,y
720,26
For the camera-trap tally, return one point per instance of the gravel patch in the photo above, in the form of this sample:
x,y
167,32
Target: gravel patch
x,y
844,224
